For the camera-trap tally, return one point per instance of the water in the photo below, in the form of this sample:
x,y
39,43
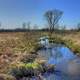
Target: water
x,y
67,65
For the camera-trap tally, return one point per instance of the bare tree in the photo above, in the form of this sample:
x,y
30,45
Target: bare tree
x,y
57,26
28,25
24,25
35,27
78,26
52,17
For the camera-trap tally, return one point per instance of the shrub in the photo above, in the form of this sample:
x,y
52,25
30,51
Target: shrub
x,y
25,70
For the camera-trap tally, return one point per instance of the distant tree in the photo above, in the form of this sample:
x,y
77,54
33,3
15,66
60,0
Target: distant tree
x,y
28,25
27,33
78,26
53,17
24,25
35,27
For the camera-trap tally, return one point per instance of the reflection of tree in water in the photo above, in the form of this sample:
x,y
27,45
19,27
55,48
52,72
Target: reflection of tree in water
x,y
55,52
51,53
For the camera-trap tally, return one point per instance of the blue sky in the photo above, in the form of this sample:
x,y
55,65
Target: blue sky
x,y
14,12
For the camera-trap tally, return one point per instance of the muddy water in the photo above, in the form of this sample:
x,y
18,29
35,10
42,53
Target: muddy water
x,y
67,65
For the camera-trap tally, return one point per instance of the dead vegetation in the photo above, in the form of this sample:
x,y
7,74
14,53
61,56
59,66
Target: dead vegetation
x,y
20,46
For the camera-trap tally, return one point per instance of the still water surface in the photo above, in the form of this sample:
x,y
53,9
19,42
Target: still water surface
x,y
67,65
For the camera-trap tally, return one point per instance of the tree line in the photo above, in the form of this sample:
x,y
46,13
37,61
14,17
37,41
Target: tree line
x,y
52,18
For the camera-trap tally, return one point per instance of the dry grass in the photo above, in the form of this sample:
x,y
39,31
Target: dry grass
x,y
13,44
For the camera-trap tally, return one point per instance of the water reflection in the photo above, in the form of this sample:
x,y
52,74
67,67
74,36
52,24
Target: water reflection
x,y
67,64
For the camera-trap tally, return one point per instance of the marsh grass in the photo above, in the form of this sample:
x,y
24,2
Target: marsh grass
x,y
15,44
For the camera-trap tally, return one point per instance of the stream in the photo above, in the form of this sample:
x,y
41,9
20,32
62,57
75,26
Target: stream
x,y
67,65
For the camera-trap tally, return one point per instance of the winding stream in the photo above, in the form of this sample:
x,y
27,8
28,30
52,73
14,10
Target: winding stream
x,y
67,65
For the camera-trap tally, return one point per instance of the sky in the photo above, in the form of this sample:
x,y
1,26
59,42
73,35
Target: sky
x,y
14,12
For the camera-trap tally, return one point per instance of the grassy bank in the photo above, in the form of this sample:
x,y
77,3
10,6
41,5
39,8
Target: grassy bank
x,y
67,42
70,40
15,45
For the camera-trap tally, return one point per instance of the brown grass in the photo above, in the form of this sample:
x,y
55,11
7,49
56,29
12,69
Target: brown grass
x,y
13,44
